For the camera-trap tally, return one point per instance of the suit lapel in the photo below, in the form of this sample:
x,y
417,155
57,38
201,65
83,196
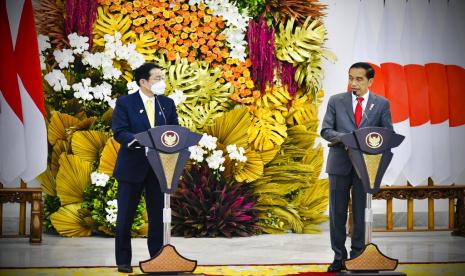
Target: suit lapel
x,y
370,105
349,107
139,109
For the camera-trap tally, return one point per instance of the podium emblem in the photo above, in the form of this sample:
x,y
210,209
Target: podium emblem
x,y
170,139
374,140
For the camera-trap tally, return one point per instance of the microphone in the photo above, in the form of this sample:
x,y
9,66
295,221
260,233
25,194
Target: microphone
x,y
161,108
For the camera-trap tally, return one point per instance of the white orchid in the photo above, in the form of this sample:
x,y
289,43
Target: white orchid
x,y
99,179
112,210
78,43
56,79
236,153
43,42
197,153
178,97
83,90
215,160
208,142
132,87
63,57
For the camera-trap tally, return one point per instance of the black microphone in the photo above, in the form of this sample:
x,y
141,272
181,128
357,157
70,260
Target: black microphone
x,y
161,109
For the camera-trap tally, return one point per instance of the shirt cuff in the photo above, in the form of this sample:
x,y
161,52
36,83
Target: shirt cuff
x,y
132,142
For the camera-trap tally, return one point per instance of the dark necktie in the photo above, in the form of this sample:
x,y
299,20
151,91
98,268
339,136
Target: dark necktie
x,y
358,111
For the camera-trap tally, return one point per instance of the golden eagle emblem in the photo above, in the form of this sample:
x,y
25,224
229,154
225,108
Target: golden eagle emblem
x,y
374,140
170,139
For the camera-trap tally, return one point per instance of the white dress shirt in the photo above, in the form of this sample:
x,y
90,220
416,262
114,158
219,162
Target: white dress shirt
x,y
364,102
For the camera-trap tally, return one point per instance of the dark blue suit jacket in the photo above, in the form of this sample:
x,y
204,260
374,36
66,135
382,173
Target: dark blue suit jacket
x,y
130,118
339,120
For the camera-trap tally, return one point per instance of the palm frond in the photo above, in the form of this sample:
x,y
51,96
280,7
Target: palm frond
x,y
72,178
89,144
70,222
108,157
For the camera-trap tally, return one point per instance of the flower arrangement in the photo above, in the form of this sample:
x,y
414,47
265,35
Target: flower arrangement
x,y
246,73
91,80
100,201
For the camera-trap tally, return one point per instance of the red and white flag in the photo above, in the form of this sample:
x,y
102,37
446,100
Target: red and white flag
x,y
23,141
420,164
389,52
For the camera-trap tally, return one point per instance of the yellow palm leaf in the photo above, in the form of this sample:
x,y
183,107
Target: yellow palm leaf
x,y
268,155
108,157
88,144
70,222
72,178
251,170
231,128
47,182
60,127
59,147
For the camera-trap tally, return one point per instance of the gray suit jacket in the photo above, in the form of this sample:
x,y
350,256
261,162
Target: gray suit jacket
x,y
339,120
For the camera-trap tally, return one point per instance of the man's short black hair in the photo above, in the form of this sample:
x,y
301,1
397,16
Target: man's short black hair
x,y
143,72
370,72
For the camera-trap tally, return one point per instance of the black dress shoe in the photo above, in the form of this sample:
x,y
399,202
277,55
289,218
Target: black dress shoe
x,y
336,266
125,268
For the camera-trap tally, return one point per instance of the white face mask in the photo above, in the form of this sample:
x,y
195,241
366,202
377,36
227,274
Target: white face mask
x,y
158,88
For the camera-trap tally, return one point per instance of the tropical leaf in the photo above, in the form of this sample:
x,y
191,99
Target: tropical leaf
x,y
303,111
62,126
70,222
231,128
302,46
47,182
250,170
268,155
72,178
145,45
61,146
108,157
268,129
89,144
206,97
108,23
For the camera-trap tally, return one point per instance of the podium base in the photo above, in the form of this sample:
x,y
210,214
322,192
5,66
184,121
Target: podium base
x,y
380,273
168,262
371,260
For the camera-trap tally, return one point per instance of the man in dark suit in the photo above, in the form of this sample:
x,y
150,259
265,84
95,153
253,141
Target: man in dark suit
x,y
136,113
347,112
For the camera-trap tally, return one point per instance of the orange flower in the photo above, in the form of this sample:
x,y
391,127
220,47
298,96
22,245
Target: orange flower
x,y
139,30
211,43
209,11
171,55
191,59
202,41
136,4
204,49
249,84
221,37
184,35
134,14
185,7
176,7
166,14
207,19
196,45
179,19
193,36
207,29
201,6
114,8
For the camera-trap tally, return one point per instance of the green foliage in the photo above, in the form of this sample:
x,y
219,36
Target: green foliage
x,y
254,7
96,200
51,205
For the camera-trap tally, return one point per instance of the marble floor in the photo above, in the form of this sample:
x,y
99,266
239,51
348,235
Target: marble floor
x,y
56,251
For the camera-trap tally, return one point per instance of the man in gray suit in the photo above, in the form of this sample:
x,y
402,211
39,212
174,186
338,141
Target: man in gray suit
x,y
347,112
